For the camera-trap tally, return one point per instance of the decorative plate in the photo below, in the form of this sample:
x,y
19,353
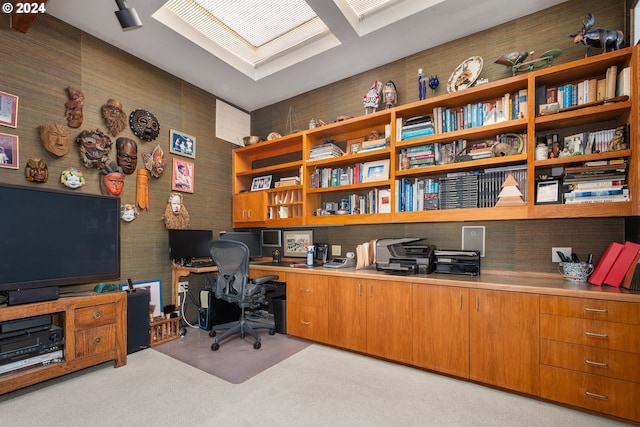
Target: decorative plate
x,y
465,74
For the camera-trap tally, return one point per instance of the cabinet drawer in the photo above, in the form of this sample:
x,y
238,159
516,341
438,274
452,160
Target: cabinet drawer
x,y
307,290
615,336
592,360
594,392
95,341
97,315
612,311
307,322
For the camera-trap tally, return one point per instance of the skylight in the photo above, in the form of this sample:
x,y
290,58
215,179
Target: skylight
x,y
257,37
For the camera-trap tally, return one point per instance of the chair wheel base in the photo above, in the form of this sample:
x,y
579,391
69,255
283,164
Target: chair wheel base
x,y
257,345
212,333
215,346
272,331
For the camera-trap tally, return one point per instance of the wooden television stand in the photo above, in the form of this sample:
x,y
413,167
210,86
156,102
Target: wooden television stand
x,y
95,331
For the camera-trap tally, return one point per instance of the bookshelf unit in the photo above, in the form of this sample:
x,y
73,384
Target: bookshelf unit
x,y
310,198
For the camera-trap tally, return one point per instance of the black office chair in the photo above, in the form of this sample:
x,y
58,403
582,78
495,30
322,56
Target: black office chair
x,y
234,285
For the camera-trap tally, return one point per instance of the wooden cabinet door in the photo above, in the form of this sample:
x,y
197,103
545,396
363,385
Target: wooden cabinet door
x,y
504,340
249,207
389,328
348,319
441,329
307,306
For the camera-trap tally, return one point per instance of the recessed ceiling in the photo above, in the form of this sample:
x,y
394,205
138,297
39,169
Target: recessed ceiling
x,y
250,58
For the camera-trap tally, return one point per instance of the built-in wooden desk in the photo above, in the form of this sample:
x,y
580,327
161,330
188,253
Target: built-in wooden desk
x,y
178,271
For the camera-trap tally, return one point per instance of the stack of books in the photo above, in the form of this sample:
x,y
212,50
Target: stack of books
x,y
288,181
373,144
458,192
325,151
596,182
417,157
416,127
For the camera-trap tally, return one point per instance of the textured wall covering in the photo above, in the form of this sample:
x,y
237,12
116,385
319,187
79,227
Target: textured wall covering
x,y
38,66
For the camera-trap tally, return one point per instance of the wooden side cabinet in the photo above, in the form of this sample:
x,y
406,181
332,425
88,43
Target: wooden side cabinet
x,y
95,331
307,306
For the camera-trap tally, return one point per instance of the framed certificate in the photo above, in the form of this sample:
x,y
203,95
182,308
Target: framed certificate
x,y
549,191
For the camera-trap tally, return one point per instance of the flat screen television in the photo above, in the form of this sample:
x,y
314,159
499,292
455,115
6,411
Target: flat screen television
x,y
54,238
249,238
187,245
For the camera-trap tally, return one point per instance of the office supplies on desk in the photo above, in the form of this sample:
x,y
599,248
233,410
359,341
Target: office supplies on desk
x,y
341,263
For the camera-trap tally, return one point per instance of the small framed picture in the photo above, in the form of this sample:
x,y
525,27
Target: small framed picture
x,y
376,171
354,145
549,191
183,176
8,151
261,183
295,242
182,144
8,110
155,291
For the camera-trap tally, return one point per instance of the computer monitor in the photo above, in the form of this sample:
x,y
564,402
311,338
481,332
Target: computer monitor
x,y
189,244
271,238
249,238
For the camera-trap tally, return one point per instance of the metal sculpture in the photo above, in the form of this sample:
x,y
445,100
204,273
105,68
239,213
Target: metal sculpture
x,y
516,60
606,40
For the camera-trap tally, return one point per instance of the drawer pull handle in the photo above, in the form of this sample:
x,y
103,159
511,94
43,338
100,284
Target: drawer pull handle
x,y
305,290
596,310
305,323
97,314
96,340
598,364
597,396
593,334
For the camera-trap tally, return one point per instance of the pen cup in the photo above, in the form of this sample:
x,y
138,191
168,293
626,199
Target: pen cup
x,y
575,271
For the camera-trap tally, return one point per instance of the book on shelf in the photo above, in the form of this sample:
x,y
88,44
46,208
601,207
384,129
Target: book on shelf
x,y
597,199
622,264
596,184
632,278
593,193
611,77
623,85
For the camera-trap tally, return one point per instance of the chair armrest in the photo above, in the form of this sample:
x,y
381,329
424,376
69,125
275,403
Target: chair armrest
x,y
264,279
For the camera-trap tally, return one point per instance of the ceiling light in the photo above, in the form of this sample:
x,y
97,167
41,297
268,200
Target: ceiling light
x,y
128,17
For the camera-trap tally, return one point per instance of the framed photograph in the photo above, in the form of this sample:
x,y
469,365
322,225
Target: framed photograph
x,y
375,171
183,176
8,110
8,151
295,242
354,145
549,191
261,183
155,290
182,144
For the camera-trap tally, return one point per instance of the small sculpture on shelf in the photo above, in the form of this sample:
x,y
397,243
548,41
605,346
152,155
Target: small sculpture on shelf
x,y
607,40
372,98
422,85
390,94
433,84
515,60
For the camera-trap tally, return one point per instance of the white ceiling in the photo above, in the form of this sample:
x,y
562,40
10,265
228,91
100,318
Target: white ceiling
x,y
160,46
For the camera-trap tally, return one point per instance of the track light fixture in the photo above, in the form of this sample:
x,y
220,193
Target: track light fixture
x,y
128,17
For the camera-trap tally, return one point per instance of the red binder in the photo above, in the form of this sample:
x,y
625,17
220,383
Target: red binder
x,y
605,263
622,264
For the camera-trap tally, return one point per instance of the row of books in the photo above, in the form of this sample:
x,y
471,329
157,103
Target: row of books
x,y
510,107
615,83
618,266
417,157
376,200
596,182
416,194
415,127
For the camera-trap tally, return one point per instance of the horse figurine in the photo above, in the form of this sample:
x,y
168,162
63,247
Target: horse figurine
x,y
607,40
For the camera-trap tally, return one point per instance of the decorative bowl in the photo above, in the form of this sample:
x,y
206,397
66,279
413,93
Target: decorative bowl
x,y
250,140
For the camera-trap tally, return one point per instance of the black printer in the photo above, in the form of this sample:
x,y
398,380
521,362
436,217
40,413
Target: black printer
x,y
457,262
408,258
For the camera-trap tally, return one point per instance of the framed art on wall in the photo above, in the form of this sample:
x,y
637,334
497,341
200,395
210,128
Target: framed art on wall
x,y
8,151
155,291
8,110
295,242
183,176
182,144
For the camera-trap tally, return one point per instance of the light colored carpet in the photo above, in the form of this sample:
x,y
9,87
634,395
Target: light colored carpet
x,y
318,386
236,361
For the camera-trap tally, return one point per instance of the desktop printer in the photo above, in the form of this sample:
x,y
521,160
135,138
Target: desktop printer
x,y
404,256
457,262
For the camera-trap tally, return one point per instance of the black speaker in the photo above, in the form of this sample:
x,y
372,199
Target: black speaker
x,y
138,320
